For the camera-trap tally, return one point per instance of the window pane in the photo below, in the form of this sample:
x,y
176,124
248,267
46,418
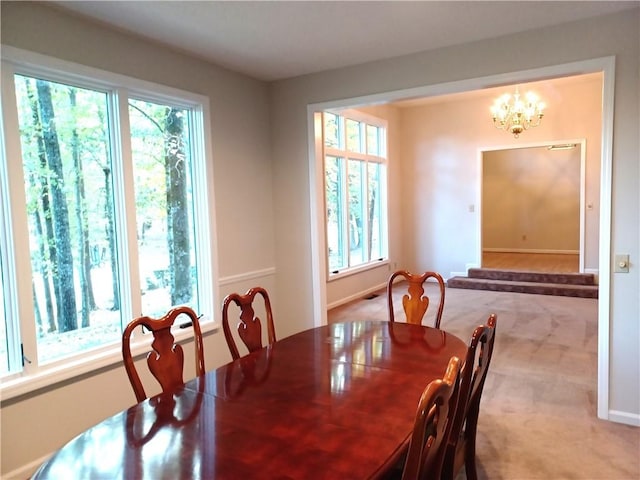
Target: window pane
x,y
162,166
373,144
353,136
331,130
356,217
67,175
334,181
374,211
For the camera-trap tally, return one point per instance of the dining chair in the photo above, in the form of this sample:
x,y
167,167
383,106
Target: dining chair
x,y
461,448
432,426
415,302
249,327
166,360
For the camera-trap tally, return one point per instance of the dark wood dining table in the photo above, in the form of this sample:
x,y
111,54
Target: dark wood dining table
x,y
333,402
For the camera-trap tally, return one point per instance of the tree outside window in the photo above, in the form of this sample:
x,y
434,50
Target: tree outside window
x,y
355,191
78,244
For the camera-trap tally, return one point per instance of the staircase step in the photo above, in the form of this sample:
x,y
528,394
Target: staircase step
x,y
541,277
540,288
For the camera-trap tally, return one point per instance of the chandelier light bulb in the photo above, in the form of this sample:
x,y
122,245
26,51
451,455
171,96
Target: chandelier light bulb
x,y
519,115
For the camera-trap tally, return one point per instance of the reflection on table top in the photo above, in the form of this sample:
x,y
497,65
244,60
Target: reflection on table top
x,y
336,401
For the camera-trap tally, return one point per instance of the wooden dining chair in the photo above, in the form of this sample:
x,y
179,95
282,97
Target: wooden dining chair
x,y
415,302
166,360
432,427
461,449
249,327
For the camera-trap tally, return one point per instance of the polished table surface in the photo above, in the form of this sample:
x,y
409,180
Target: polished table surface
x,y
336,401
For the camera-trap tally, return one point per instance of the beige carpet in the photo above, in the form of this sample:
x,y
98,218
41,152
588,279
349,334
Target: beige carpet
x,y
538,412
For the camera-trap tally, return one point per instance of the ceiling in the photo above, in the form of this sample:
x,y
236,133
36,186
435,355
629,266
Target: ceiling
x,y
272,40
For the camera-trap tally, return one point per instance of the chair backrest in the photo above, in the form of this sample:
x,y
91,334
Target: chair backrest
x,y
432,426
461,448
415,303
249,327
166,360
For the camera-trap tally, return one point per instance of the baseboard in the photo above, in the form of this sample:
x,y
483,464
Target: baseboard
x,y
595,272
627,418
355,296
530,250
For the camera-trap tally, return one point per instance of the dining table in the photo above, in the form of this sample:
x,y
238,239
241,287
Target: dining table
x,y
336,401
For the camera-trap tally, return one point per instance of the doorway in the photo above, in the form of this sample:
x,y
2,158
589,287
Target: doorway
x,y
603,221
532,204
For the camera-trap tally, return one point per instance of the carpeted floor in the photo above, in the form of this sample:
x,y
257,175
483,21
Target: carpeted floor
x,y
538,413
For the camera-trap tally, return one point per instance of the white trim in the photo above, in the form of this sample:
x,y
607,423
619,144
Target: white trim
x,y
601,64
241,277
108,356
95,78
582,201
118,87
458,274
532,250
607,65
594,272
319,260
627,418
346,272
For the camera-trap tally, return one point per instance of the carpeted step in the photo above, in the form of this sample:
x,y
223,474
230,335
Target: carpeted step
x,y
541,277
540,288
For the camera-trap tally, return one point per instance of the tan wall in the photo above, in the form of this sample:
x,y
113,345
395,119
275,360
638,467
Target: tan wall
x,y
531,200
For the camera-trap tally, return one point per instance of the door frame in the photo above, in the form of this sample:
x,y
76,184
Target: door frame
x,y
582,213
606,65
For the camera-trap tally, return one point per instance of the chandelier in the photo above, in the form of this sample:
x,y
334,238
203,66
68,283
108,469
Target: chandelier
x,y
517,115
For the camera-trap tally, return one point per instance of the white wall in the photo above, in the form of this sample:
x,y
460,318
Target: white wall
x,y
594,38
37,424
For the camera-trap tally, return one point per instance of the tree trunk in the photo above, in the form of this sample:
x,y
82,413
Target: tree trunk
x,y
36,311
66,301
111,237
178,230
46,265
86,288
110,233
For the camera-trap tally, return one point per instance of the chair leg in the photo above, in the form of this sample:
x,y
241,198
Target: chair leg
x,y
470,460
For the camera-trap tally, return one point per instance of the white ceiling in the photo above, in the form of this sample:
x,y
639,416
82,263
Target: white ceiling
x,y
272,40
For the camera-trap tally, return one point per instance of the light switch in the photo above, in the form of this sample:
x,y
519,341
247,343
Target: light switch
x,y
621,264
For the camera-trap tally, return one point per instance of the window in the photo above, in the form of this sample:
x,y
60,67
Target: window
x,y
355,167
109,216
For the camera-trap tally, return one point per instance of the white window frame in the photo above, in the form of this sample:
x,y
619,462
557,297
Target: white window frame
x,y
14,230
346,154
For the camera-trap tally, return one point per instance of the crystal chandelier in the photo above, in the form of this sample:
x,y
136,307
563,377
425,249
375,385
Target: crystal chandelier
x,y
515,114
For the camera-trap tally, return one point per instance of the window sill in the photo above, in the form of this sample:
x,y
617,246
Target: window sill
x,y
91,363
359,269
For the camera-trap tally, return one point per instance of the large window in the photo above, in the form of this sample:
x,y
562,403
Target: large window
x,y
355,168
108,215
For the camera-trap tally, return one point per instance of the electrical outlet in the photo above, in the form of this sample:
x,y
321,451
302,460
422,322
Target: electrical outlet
x,y
621,264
